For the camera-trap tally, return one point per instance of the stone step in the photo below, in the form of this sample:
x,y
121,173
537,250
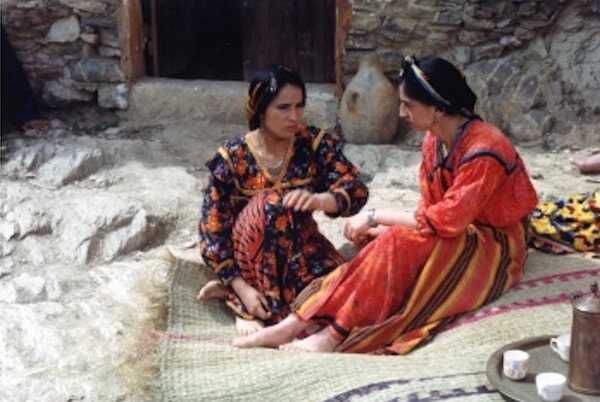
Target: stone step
x,y
154,100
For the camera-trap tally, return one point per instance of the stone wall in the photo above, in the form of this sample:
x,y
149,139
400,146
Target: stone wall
x,y
70,49
535,64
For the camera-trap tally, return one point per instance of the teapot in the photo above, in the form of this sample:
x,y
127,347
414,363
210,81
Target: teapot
x,y
584,357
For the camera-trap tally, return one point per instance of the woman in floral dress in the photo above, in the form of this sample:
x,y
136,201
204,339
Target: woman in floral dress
x,y
256,228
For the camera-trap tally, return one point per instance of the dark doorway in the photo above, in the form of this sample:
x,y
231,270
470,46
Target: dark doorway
x,y
196,39
231,39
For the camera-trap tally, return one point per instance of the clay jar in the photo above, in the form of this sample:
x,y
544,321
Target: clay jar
x,y
369,107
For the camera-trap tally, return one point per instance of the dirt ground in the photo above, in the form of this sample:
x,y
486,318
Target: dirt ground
x,y
85,209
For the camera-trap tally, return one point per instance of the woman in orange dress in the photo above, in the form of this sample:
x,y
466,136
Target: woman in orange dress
x,y
256,228
463,247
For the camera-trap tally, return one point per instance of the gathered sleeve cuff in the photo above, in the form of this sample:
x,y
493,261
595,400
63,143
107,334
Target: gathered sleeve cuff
x,y
339,176
475,182
216,221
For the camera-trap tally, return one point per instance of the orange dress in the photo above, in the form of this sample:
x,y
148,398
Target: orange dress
x,y
468,248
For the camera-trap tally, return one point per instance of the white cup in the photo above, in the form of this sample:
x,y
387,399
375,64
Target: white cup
x,y
515,364
562,346
550,386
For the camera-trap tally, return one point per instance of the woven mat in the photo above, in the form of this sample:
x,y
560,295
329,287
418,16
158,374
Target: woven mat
x,y
198,363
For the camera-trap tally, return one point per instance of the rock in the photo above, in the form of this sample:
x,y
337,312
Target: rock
x,y
510,41
365,22
471,38
27,159
369,107
398,29
8,229
462,54
91,6
104,228
96,69
53,289
109,38
8,293
108,51
129,238
7,264
61,93
448,17
113,96
72,164
477,24
35,249
29,288
6,248
28,5
31,220
90,38
360,42
488,51
64,30
99,22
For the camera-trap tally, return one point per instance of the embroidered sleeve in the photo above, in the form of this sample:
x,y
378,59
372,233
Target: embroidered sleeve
x,y
474,184
339,176
216,221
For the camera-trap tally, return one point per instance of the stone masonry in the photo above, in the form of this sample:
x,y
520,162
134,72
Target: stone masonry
x,y
69,48
534,63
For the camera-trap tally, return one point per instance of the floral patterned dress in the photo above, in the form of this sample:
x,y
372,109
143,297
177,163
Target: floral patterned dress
x,y
245,231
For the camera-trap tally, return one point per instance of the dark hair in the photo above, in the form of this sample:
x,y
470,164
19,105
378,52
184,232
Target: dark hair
x,y
265,86
437,82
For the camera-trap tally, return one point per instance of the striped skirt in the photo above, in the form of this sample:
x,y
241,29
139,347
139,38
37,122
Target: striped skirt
x,y
402,287
278,252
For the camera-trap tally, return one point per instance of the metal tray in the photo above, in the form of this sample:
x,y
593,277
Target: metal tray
x,y
542,359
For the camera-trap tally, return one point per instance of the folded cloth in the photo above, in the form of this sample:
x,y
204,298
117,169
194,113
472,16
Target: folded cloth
x,y
567,225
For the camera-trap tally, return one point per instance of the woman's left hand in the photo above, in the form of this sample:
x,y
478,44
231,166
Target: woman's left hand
x,y
302,200
356,227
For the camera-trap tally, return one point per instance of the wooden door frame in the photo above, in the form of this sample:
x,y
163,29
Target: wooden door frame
x,y
131,36
343,22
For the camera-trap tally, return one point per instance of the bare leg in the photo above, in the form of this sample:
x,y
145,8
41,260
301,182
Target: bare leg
x,y
212,290
323,341
275,335
247,327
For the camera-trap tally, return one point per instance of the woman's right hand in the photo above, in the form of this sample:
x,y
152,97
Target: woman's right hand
x,y
254,301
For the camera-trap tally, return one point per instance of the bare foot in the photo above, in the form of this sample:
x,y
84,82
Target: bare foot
x,y
273,336
247,327
589,165
323,341
212,290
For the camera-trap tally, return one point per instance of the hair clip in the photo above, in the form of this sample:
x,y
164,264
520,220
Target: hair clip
x,y
272,84
407,62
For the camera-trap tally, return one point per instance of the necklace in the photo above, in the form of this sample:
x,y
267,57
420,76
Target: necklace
x,y
273,163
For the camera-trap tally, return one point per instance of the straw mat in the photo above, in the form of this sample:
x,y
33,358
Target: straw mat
x,y
197,362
